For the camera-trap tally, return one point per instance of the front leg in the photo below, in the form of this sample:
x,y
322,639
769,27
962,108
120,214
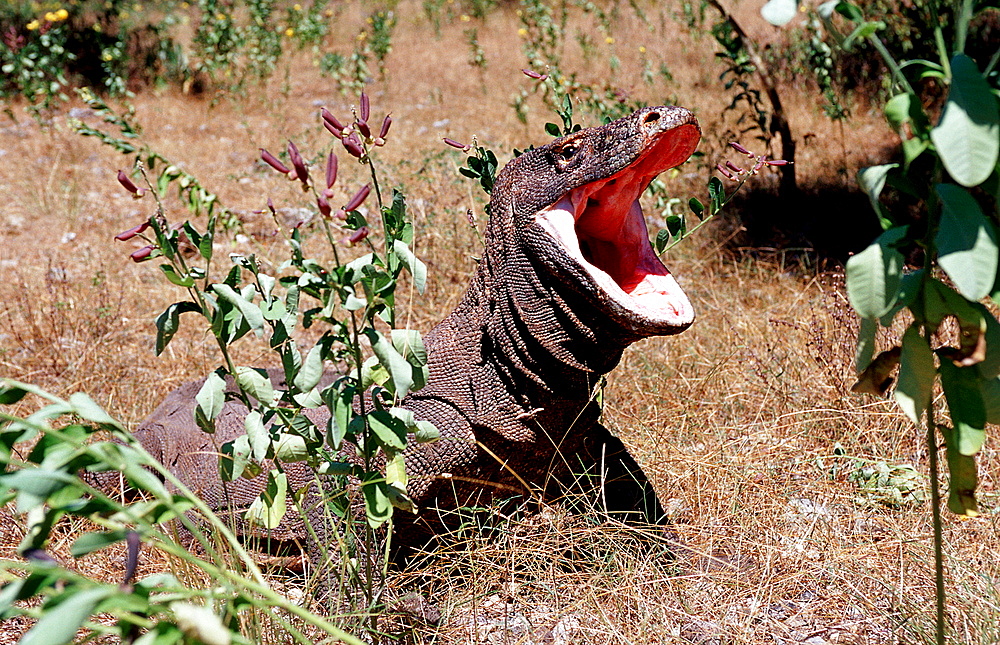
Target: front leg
x,y
622,489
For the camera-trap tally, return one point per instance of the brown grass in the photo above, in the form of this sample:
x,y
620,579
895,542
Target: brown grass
x,y
736,420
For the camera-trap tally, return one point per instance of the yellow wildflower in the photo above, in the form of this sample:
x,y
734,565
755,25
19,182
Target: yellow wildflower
x,y
642,49
33,25
289,32
62,14
220,16
107,57
50,17
297,7
522,32
465,18
609,40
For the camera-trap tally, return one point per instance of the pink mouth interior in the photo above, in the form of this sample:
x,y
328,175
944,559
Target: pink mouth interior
x,y
601,225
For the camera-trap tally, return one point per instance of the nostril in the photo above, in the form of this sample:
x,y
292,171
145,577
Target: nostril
x,y
652,117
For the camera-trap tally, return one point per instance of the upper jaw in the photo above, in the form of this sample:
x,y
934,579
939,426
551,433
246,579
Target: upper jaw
x,y
600,227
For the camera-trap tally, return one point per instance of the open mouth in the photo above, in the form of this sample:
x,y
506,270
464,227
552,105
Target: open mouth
x,y
600,225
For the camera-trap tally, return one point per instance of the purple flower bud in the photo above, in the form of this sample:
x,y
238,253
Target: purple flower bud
x,y
340,214
331,170
776,162
328,193
733,167
298,163
353,146
331,121
722,169
270,207
324,206
757,166
132,232
365,107
357,235
128,184
142,254
273,161
359,198
738,148
365,131
386,122
530,73
334,131
456,144
378,141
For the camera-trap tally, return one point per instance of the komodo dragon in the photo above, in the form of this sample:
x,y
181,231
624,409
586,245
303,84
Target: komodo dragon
x,y
567,281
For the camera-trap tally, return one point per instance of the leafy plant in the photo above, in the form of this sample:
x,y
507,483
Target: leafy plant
x,y
47,486
949,168
359,450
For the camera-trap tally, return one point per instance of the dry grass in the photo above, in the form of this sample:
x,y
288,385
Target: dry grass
x,y
736,420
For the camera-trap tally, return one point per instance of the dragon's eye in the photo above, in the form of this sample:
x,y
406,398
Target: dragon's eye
x,y
567,151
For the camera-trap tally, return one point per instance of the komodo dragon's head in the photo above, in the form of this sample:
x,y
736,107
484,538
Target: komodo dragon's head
x,y
573,205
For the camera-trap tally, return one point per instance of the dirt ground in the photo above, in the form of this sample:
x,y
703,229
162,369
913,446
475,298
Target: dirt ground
x,y
799,504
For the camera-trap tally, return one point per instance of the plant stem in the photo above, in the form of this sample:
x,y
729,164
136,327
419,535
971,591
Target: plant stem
x,y
897,72
939,590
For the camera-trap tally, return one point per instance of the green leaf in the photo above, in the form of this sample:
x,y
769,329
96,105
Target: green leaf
x,y
697,208
989,368
416,268
311,370
400,370
966,243
916,375
662,240
395,472
425,432
259,439
968,135
872,181
60,623
339,403
95,540
289,448
251,312
964,394
990,391
172,276
256,383
717,194
378,507
11,392
779,12
866,344
389,430
874,275
234,460
269,508
85,408
410,345
169,322
552,129
35,485
210,400
964,480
